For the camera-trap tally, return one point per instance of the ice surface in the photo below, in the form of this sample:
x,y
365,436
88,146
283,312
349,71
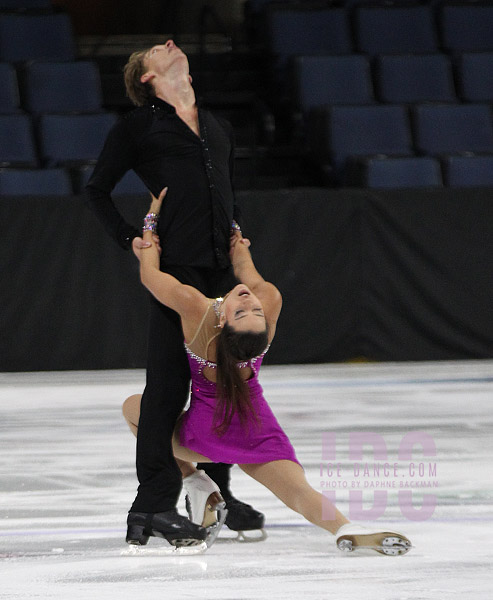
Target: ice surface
x,y
68,479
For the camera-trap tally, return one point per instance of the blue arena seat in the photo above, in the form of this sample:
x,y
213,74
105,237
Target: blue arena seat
x,y
36,37
55,87
294,32
323,80
341,132
475,74
73,139
453,129
256,6
406,172
25,4
467,27
17,148
35,182
129,184
415,78
395,30
9,90
469,171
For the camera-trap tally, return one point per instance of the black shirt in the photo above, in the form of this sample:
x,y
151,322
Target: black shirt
x,y
196,215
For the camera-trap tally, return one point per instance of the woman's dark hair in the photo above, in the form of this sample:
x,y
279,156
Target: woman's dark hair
x,y
233,394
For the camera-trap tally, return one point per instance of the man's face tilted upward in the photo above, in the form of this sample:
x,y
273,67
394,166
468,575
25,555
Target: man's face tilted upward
x,y
163,60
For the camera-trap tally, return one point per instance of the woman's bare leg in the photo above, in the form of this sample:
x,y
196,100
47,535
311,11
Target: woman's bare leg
x,y
204,496
205,501
287,481
183,454
131,412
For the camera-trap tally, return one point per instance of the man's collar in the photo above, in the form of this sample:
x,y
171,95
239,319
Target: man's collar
x,y
157,103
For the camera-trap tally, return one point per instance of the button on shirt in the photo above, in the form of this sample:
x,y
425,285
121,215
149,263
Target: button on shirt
x,y
196,215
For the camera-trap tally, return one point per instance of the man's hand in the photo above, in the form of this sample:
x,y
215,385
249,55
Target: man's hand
x,y
138,245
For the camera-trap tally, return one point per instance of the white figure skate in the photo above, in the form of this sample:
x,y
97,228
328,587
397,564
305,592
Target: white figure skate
x,y
205,505
350,538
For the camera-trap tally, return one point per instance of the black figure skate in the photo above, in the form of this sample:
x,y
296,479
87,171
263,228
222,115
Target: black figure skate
x,y
185,537
244,518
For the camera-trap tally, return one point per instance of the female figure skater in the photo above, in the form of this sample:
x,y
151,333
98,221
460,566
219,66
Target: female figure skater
x,y
229,420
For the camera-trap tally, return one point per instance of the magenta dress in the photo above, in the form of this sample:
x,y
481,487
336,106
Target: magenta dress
x,y
253,442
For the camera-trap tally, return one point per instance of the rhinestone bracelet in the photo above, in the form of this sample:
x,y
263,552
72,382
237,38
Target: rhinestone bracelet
x,y
150,222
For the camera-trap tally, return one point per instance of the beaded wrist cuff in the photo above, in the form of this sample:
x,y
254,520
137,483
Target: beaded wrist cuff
x,y
150,222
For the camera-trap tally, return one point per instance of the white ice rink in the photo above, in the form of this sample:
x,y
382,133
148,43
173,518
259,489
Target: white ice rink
x,y
68,479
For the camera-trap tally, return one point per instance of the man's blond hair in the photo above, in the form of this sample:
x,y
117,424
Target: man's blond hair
x,y
137,91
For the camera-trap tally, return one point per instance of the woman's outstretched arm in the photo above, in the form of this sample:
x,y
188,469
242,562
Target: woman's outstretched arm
x,y
184,299
245,272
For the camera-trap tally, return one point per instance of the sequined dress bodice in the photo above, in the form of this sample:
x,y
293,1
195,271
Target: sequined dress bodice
x,y
198,347
261,439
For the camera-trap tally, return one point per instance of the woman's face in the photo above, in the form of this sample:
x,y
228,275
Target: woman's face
x,y
242,310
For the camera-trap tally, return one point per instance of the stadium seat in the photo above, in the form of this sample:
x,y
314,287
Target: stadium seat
x,y
467,27
293,32
36,37
130,184
256,6
395,30
35,182
323,80
73,139
453,129
475,74
407,172
9,90
469,171
17,148
55,87
25,5
415,78
341,132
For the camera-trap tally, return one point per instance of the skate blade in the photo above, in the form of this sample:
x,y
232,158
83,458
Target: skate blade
x,y
254,535
135,550
214,503
214,529
388,543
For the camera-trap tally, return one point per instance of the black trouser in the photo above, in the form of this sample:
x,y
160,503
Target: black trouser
x,y
166,393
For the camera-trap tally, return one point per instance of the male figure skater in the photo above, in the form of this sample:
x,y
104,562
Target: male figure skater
x,y
170,142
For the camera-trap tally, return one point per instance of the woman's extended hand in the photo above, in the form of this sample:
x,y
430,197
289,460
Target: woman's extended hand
x,y
236,240
138,243
157,202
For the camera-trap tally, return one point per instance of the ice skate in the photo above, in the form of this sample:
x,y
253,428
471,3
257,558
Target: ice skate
x,y
350,538
248,522
205,505
176,529
135,550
